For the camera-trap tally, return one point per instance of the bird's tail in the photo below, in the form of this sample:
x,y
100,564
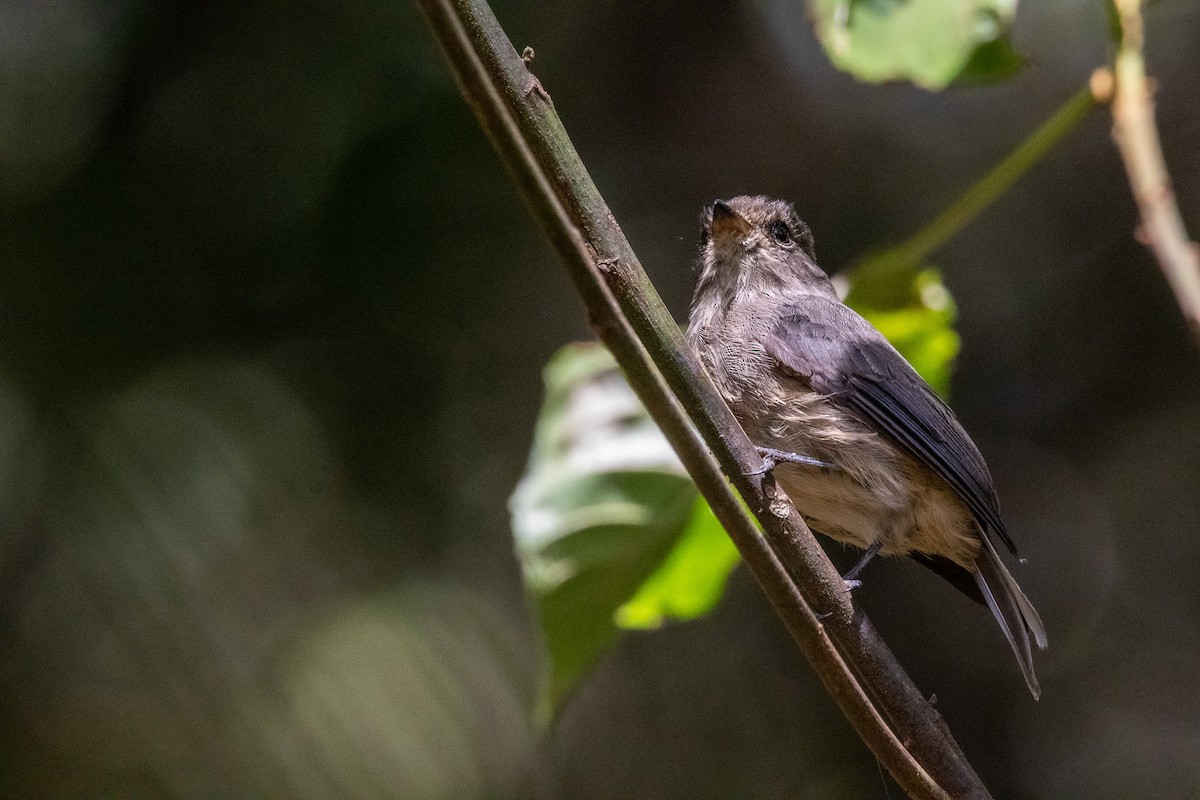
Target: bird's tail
x,y
1011,608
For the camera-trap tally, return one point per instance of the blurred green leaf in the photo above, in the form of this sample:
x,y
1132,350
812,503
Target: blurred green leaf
x,y
690,580
910,305
923,331
1113,18
603,501
991,62
931,43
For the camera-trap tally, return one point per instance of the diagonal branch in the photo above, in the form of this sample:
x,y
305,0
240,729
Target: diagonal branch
x,y
1136,136
872,690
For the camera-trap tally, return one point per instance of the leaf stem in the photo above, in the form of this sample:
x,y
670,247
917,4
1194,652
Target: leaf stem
x,y
882,265
999,179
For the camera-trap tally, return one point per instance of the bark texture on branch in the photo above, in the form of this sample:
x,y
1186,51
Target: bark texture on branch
x,y
1136,135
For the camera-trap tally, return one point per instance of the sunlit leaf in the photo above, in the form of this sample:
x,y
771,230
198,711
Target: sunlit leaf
x,y
911,306
691,579
602,503
931,43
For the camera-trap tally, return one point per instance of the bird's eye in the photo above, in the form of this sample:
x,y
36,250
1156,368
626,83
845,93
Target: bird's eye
x,y
780,233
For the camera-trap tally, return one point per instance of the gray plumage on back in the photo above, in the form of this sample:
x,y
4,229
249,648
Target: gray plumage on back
x,y
805,374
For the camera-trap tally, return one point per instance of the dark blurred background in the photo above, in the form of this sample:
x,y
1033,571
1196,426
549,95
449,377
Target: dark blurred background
x,y
272,320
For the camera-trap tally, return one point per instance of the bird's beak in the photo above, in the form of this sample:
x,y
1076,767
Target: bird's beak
x,y
727,223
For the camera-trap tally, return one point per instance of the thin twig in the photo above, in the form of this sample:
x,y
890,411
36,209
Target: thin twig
x,y
882,269
518,115
999,178
1136,135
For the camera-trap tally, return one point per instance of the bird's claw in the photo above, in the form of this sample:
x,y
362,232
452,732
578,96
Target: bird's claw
x,y
773,458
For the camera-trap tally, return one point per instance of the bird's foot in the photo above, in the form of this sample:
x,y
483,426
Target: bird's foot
x,y
851,577
773,458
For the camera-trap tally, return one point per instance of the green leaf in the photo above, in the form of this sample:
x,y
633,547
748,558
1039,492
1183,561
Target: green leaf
x,y
991,63
911,306
931,43
602,502
1113,19
690,580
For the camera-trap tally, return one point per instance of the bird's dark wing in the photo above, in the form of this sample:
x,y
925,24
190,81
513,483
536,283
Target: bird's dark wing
x,y
839,354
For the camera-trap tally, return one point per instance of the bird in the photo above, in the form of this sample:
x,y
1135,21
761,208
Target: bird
x,y
868,453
